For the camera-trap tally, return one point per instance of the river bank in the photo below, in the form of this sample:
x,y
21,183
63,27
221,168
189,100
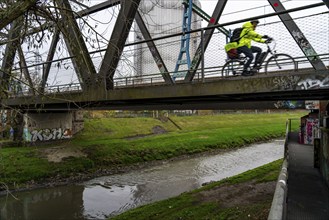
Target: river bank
x,y
245,196
111,195
106,146
76,178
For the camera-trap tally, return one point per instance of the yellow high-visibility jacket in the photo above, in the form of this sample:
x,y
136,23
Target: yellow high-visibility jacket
x,y
230,46
248,34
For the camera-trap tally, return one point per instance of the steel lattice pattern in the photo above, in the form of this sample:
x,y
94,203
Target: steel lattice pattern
x,y
137,60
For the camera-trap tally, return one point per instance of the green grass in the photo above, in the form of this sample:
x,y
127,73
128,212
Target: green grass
x,y
105,128
106,146
26,164
190,205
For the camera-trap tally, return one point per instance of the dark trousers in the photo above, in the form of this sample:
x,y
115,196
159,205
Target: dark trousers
x,y
249,52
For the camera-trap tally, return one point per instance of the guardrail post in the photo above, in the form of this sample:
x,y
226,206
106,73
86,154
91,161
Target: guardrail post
x,y
297,62
202,55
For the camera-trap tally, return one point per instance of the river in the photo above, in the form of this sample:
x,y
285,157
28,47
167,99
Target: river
x,y
107,196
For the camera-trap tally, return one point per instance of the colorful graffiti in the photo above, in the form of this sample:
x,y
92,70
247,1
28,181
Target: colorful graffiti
x,y
304,44
311,130
314,83
289,104
286,83
50,134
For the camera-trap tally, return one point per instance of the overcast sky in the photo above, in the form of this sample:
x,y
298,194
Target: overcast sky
x,y
239,9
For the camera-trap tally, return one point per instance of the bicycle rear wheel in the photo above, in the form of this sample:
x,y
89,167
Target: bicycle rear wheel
x,y
232,68
280,63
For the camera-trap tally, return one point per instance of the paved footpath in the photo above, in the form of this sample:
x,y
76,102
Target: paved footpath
x,y
308,194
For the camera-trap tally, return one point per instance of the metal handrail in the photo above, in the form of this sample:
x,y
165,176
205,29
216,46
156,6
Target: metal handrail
x,y
278,207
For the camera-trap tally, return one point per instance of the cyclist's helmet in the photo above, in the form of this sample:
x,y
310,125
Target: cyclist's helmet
x,y
254,22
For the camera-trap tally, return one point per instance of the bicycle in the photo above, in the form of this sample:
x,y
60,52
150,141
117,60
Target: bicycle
x,y
278,61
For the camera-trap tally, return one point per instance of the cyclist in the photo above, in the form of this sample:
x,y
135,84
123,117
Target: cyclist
x,y
244,46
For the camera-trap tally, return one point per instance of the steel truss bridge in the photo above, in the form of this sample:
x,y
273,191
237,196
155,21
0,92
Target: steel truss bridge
x,y
101,85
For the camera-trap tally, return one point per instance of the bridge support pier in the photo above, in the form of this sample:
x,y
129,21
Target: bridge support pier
x,y
17,125
50,126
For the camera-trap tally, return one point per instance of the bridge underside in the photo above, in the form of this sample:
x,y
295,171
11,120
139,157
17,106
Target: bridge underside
x,y
260,91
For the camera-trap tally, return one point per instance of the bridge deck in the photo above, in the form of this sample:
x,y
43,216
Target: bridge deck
x,y
308,195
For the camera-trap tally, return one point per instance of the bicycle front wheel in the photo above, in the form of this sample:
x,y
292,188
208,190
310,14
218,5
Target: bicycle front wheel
x,y
280,63
233,67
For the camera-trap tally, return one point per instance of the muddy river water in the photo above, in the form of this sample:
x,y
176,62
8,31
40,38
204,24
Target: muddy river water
x,y
107,196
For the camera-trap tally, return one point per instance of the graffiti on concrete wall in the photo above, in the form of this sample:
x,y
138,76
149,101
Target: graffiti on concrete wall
x,y
289,104
50,134
286,83
304,44
312,104
314,83
311,130
295,82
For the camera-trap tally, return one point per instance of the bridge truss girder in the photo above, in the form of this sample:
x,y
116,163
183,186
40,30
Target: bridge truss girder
x,y
76,46
309,85
9,56
50,57
83,64
204,44
117,42
298,36
153,49
24,69
286,19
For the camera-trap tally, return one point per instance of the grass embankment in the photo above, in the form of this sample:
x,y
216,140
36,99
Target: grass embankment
x,y
105,144
245,196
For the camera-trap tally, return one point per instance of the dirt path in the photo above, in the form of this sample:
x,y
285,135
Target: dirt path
x,y
57,154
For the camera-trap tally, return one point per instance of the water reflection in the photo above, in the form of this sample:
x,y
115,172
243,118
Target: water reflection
x,y
54,203
110,195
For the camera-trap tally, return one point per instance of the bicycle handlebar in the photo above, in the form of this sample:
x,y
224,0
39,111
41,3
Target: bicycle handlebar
x,y
271,40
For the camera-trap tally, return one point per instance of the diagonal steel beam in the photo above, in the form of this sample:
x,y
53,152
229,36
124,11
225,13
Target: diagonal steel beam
x,y
50,56
10,51
153,49
204,44
76,46
206,17
298,36
14,11
23,67
117,42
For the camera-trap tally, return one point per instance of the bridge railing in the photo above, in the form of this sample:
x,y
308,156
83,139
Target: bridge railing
x,y
71,87
208,73
278,207
279,199
65,88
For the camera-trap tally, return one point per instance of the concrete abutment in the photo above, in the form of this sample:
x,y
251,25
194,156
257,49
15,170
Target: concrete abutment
x,y
50,126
